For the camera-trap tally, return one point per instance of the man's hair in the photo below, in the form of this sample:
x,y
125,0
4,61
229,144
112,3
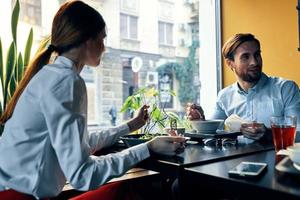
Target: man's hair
x,y
234,42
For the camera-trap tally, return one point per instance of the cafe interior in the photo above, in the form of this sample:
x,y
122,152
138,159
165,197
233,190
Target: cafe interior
x,y
209,166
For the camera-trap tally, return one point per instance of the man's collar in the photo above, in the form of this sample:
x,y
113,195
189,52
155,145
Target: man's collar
x,y
262,81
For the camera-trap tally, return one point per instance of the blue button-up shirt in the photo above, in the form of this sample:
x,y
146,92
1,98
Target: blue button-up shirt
x,y
46,143
270,96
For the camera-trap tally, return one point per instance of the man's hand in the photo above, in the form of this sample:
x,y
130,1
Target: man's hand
x,y
194,112
253,130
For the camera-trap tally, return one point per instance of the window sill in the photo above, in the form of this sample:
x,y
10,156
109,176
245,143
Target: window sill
x,y
130,40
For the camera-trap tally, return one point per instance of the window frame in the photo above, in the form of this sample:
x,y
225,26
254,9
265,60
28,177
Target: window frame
x,y
25,14
128,19
210,61
166,35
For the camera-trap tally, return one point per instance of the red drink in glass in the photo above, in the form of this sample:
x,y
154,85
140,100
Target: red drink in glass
x,y
283,131
283,136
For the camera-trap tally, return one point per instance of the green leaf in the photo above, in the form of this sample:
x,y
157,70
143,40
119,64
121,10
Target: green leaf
x,y
171,92
127,104
12,86
10,65
156,114
1,68
28,48
136,102
173,115
141,91
151,92
1,109
20,68
14,20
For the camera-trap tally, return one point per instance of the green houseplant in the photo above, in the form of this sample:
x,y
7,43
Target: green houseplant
x,y
159,118
13,69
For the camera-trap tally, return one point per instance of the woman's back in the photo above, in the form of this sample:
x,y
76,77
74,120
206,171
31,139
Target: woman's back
x,y
27,142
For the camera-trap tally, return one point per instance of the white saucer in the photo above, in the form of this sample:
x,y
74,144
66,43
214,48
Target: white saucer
x,y
296,166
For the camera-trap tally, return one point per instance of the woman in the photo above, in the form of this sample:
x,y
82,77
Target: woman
x,y
45,141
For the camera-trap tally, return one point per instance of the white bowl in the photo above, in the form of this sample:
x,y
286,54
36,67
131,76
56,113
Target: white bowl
x,y
207,126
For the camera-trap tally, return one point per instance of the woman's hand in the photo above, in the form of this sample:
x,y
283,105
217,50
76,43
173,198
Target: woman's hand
x,y
253,130
140,120
167,145
194,112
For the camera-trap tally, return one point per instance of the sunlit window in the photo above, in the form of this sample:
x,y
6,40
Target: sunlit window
x,y
158,38
165,33
128,26
30,11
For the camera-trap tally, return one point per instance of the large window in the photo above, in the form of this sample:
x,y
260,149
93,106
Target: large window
x,y
147,31
165,33
128,26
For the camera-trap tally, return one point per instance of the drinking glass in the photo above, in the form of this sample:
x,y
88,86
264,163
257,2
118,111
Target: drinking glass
x,y
283,131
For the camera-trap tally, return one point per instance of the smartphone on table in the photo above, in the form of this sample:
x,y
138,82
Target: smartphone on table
x,y
248,169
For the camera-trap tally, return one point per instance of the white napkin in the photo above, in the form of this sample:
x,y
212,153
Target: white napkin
x,y
233,123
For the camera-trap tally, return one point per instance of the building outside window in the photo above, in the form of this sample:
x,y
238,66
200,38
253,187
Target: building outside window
x,y
128,26
165,33
88,74
30,12
133,30
194,31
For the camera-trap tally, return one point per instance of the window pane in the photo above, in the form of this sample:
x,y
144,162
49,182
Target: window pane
x,y
161,32
169,33
30,11
133,27
123,26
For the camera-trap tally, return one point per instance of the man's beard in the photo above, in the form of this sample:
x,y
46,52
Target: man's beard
x,y
250,77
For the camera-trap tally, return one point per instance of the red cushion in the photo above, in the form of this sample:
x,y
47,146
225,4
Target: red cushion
x,y
14,195
111,191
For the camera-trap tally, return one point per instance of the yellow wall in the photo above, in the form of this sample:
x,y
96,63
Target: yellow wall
x,y
275,24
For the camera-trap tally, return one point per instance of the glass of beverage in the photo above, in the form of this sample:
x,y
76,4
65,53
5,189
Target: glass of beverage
x,y
283,131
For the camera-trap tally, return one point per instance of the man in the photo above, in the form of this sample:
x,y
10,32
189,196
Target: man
x,y
255,96
113,114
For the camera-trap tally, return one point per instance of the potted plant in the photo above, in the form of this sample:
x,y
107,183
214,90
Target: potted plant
x,y
159,118
12,71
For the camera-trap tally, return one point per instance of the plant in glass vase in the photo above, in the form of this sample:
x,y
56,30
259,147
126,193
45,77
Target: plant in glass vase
x,y
159,118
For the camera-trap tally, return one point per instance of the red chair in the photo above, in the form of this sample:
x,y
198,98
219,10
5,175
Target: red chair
x,y
15,195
